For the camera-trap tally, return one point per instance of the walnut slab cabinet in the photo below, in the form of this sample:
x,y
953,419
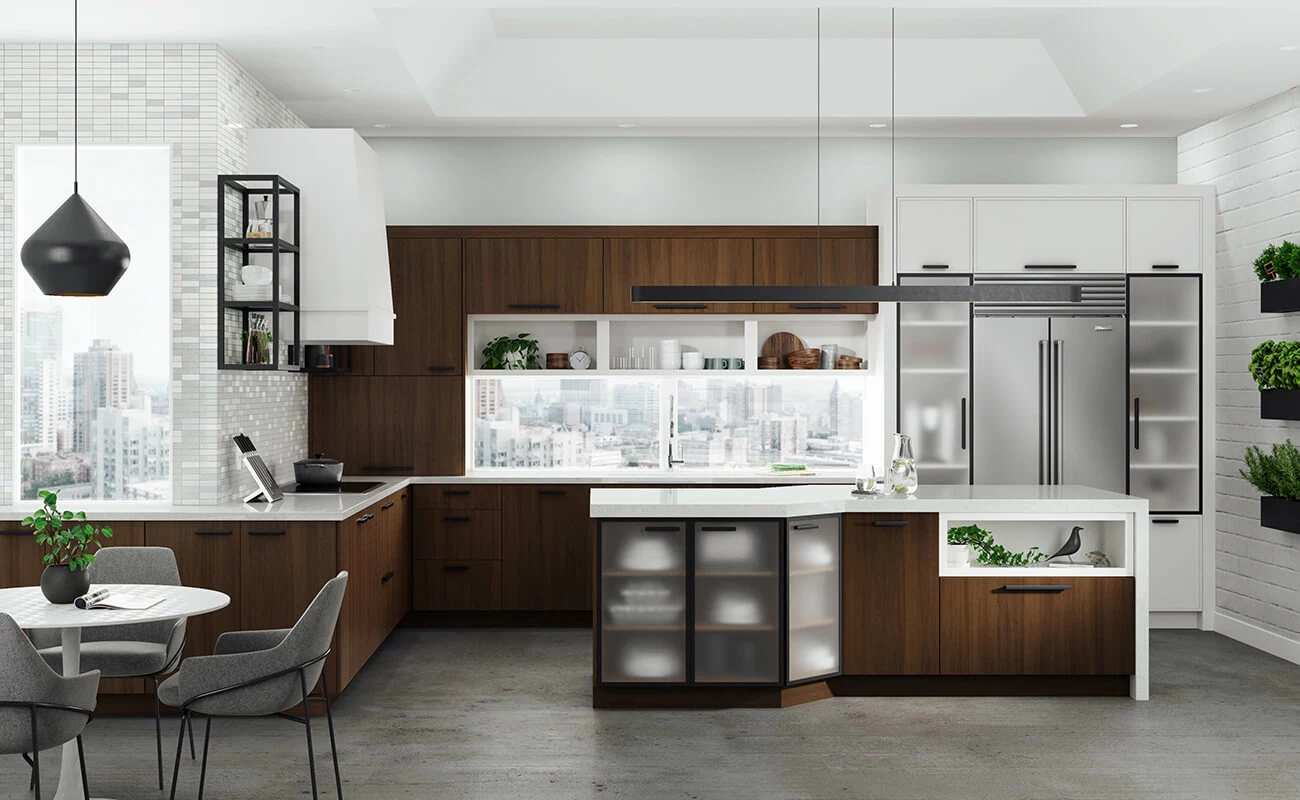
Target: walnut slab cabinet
x,y
844,261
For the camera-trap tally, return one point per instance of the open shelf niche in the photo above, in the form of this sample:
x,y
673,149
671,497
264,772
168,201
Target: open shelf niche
x,y
1108,533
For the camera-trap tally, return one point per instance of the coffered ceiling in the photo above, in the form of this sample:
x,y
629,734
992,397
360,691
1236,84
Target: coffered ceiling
x,y
418,68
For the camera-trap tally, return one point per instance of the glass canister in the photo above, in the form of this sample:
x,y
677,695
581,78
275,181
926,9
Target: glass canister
x,y
902,469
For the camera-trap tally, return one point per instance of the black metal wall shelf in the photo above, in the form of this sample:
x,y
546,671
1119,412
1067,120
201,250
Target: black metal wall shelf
x,y
280,354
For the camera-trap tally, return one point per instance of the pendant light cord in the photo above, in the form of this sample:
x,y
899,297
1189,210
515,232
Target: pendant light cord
x,y
819,146
76,96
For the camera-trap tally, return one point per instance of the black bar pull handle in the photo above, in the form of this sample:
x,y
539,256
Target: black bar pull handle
x,y
815,306
455,567
266,533
890,523
1039,588
663,529
213,533
552,492
681,306
455,519
1164,266
934,266
1165,521
440,368
534,306
963,423
717,528
1051,266
811,526
365,518
1137,423
16,532
388,505
451,492
388,576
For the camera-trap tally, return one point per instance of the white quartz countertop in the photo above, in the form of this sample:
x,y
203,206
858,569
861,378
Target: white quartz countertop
x,y
807,501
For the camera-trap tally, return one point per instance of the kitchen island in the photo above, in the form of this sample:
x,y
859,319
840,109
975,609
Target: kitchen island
x,y
716,597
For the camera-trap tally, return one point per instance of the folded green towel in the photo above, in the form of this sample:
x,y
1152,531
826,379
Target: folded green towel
x,y
788,467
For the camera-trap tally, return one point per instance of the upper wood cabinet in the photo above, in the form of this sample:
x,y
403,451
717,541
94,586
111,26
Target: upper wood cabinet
x,y
676,262
428,335
533,275
793,262
388,425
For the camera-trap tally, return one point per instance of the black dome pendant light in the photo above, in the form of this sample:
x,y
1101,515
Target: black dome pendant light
x,y
75,253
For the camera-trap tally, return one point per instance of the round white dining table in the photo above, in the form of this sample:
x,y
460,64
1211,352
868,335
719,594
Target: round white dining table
x,y
32,611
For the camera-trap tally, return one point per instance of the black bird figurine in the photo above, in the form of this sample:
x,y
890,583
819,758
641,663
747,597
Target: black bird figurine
x,y
1070,547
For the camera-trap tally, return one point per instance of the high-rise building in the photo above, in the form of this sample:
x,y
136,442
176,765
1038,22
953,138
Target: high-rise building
x,y
41,358
490,399
102,377
132,449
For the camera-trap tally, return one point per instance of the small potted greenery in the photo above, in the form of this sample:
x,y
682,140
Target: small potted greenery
x,y
1278,269
1275,366
512,352
1277,475
69,542
980,542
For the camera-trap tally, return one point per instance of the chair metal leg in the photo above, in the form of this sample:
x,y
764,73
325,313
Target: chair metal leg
x,y
31,780
203,771
306,721
157,729
36,756
180,743
329,718
190,722
81,757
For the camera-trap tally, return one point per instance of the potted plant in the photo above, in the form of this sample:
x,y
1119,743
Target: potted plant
x,y
512,352
1278,269
70,543
979,542
1277,475
1275,366
960,545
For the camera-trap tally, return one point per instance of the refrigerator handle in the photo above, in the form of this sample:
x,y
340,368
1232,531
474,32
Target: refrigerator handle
x,y
1058,412
1043,414
1137,423
963,423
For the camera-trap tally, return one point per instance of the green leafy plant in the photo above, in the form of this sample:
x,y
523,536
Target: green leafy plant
x,y
990,552
1278,262
512,352
67,537
1276,473
1276,365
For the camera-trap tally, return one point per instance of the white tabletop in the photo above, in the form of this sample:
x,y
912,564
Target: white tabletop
x,y
31,610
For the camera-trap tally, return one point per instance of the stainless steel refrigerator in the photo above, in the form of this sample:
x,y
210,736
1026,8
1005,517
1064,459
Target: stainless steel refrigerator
x,y
1050,391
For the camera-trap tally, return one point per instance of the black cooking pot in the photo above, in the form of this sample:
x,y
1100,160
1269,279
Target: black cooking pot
x,y
318,471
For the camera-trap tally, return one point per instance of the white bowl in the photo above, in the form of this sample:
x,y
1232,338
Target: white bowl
x,y
255,275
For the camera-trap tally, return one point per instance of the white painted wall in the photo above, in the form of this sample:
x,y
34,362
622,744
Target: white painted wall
x,y
642,180
1253,160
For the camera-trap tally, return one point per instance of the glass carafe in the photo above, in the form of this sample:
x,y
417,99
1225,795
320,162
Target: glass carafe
x,y
902,469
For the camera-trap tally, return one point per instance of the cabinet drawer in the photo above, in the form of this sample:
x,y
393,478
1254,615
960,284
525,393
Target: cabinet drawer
x,y
1036,626
1049,235
1164,235
934,235
457,496
452,533
1175,572
442,585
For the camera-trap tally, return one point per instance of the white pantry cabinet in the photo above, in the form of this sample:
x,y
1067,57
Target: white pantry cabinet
x,y
1175,559
934,235
1049,235
1164,234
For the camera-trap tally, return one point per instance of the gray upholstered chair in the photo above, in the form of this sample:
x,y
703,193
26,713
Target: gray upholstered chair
x,y
147,650
39,708
259,674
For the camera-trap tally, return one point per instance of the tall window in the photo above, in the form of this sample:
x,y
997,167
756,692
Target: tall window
x,y
94,400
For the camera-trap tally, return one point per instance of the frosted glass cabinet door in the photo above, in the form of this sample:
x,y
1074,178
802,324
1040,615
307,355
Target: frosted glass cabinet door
x,y
643,602
1164,411
934,383
737,601
813,581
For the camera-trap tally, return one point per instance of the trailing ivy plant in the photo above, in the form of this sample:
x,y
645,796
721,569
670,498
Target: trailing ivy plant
x,y
1276,365
990,552
512,352
1278,262
1276,473
66,535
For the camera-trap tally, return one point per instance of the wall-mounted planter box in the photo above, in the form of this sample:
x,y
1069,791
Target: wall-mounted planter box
x,y
1279,297
1280,514
1279,404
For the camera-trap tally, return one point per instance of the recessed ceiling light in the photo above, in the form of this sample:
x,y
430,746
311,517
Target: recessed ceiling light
x,y
626,125
234,125
352,91
1202,90
382,125
877,125
1128,125
318,47
1289,48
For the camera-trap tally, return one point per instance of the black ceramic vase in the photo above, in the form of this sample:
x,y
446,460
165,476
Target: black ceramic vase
x,y
61,585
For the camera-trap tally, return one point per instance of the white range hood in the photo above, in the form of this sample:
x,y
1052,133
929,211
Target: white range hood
x,y
346,292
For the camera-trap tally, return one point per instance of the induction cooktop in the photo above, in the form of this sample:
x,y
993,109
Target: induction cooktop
x,y
346,487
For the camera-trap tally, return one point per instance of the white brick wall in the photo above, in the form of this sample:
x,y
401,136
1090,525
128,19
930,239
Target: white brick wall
x,y
1253,160
182,95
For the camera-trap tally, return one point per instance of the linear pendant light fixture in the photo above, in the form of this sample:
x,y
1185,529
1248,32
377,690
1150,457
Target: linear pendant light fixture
x,y
75,253
1011,293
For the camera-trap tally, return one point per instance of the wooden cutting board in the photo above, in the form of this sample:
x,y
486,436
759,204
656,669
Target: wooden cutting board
x,y
780,344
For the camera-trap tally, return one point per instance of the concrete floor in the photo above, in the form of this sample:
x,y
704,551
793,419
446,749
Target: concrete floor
x,y
506,714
